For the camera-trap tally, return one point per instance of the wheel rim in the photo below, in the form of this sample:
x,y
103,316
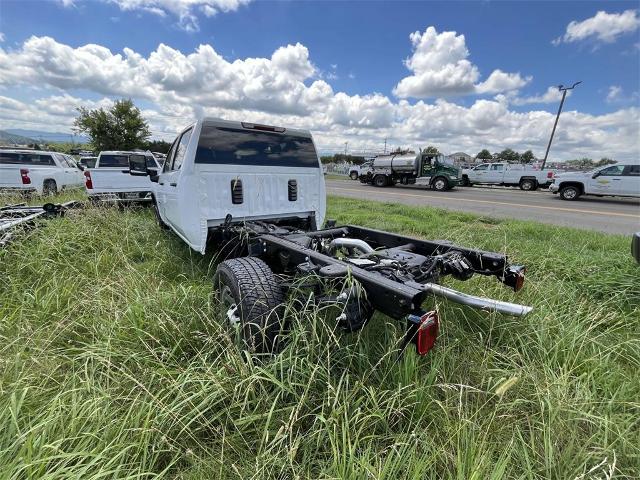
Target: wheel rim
x,y
440,185
526,185
570,193
231,314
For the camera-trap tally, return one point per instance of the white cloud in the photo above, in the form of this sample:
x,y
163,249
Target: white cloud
x,y
604,27
440,68
552,95
1,37
615,92
284,89
185,11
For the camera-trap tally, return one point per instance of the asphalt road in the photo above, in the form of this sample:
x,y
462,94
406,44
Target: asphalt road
x,y
610,215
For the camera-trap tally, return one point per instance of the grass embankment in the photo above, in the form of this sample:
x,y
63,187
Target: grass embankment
x,y
114,364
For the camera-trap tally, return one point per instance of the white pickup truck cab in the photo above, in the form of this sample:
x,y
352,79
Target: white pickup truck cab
x,y
620,180
526,177
218,170
109,179
44,173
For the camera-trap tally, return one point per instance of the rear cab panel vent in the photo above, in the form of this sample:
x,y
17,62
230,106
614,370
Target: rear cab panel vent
x,y
236,191
292,186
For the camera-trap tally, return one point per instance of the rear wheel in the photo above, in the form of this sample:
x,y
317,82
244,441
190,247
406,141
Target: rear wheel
x,y
440,184
49,187
569,193
380,181
251,300
354,175
465,181
527,184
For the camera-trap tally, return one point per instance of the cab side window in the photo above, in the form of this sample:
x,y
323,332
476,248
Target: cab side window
x,y
631,171
497,167
482,167
612,171
181,150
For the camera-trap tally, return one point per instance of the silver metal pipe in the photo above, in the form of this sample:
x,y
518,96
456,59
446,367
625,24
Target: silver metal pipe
x,y
361,245
12,223
482,303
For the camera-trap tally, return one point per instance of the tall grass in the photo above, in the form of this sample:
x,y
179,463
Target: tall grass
x,y
115,364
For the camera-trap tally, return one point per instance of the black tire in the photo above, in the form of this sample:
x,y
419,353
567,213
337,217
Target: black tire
x,y
440,184
156,212
380,181
49,187
354,175
570,192
248,286
465,182
528,184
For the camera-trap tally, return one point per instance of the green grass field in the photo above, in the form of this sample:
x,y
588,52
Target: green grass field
x,y
115,364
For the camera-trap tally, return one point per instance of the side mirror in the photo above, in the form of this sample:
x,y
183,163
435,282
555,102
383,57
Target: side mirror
x,y
595,175
153,175
635,246
138,166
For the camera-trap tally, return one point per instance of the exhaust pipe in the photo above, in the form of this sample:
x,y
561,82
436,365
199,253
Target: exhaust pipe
x,y
478,302
358,244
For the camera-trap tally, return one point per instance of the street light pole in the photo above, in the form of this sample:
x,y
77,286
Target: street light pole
x,y
563,89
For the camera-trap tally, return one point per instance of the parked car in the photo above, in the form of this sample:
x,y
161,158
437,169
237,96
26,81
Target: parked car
x,y
356,170
109,179
45,173
524,176
620,180
258,192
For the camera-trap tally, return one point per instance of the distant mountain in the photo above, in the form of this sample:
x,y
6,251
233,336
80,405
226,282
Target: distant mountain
x,y
44,137
11,138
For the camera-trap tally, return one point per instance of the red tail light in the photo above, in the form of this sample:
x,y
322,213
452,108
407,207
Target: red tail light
x,y
24,175
88,183
549,174
427,332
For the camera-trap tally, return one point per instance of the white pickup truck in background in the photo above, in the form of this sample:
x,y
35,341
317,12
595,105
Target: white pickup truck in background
x,y
44,173
526,177
619,180
109,179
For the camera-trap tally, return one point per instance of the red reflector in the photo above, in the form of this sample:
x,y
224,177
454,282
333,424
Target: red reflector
x,y
88,183
24,175
550,175
427,332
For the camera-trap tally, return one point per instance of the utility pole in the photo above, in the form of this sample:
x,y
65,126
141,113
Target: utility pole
x,y
346,144
385,146
563,89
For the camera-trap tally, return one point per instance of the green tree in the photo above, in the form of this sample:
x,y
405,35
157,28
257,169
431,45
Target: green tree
x,y
484,154
527,157
509,155
121,127
604,161
431,150
159,146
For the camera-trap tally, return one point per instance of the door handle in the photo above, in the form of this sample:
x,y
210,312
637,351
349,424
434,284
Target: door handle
x,y
616,179
161,183
173,184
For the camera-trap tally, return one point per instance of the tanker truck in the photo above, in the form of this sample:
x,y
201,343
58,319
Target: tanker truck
x,y
410,168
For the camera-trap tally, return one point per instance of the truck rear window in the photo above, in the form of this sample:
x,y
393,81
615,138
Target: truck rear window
x,y
237,146
122,161
35,159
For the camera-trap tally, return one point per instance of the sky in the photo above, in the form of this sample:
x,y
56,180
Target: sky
x,y
459,75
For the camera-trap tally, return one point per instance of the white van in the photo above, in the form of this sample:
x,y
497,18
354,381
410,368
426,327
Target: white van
x,y
620,180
